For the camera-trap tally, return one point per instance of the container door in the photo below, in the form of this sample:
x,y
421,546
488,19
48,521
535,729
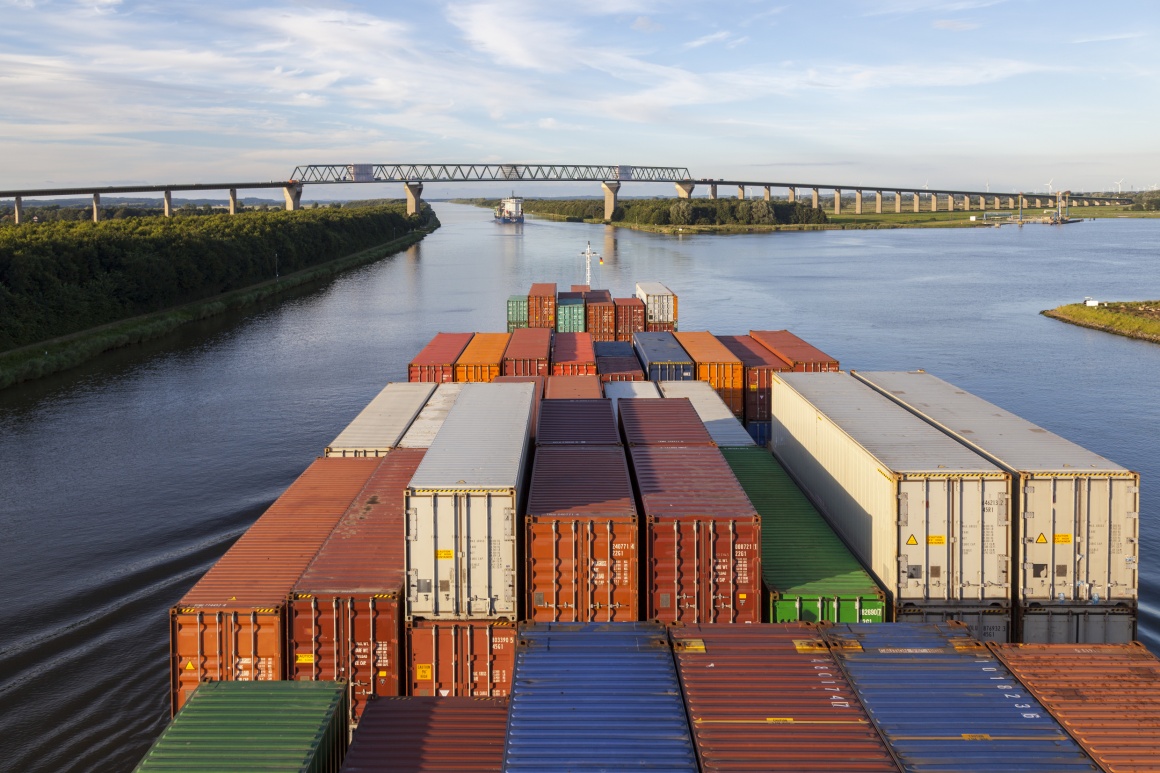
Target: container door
x,y
609,572
372,650
979,545
486,562
1108,527
432,561
1124,531
1044,512
925,512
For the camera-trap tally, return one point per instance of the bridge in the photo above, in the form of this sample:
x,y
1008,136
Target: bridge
x,y
610,177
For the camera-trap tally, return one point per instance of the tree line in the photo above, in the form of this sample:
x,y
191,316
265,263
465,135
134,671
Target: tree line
x,y
682,211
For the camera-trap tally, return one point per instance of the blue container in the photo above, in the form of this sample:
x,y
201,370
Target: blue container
x,y
596,696
614,349
944,702
761,431
663,357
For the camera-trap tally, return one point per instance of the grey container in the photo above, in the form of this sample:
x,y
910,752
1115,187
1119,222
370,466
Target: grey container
x,y
427,424
629,390
721,423
660,303
929,517
1077,514
381,425
462,504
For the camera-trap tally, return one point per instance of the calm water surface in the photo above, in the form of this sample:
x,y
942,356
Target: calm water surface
x,y
123,481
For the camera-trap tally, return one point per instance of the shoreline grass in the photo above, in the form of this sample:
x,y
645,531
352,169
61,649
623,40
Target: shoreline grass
x,y
1135,319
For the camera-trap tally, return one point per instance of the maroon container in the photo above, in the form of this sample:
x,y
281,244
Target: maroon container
x,y
345,612
801,356
528,352
542,305
619,369
573,355
581,288
436,361
539,381
577,422
760,365
575,295
582,536
601,321
455,657
629,318
571,387
660,327
597,296
669,422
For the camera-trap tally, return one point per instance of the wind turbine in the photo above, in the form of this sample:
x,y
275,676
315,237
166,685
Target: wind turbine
x,y
926,185
988,187
1120,185
1048,184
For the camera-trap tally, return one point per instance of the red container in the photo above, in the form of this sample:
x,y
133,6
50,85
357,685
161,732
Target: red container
x,y
577,422
760,364
528,352
601,321
702,537
598,296
230,626
660,327
619,369
539,381
345,613
801,356
772,698
466,658
430,735
572,387
629,318
581,289
436,361
582,533
669,422
574,295
573,355
542,305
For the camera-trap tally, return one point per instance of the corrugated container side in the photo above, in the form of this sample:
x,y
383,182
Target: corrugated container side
x,y
629,318
517,310
598,696
430,735
482,360
582,536
469,658
771,697
801,356
1106,695
1076,623
230,626
671,422
619,369
572,388
720,422
427,424
660,302
629,390
660,327
760,431
436,361
290,726
542,305
759,364
577,422
663,358
601,322
528,352
943,701
986,622
718,367
570,315
573,355
381,425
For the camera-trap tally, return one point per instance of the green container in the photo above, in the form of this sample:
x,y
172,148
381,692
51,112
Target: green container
x,y
570,315
297,727
809,572
517,315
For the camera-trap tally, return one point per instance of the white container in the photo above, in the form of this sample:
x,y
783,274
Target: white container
x,y
660,304
721,423
381,425
629,390
1077,513
929,517
462,507
426,425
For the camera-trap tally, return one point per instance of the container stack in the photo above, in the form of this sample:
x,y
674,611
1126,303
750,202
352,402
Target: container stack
x,y
660,307
759,364
436,362
482,360
517,312
571,315
715,365
616,361
630,390
601,315
572,388
801,356
542,305
573,355
719,421
663,357
380,426
528,352
429,421
629,318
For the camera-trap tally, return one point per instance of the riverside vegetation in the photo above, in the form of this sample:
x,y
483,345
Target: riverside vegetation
x,y
71,290
675,212
1136,319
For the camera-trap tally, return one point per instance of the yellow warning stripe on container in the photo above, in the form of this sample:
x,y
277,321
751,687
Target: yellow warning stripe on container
x,y
443,555
936,539
809,645
1062,539
691,645
307,658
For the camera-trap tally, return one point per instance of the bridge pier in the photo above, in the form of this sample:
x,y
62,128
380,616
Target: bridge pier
x,y
792,195
293,195
414,192
740,192
18,209
1010,202
233,201
685,190
878,202
610,189
983,203
713,191
898,202
934,202
167,203
857,202
767,193
916,200
96,207
815,204
837,201
967,203
1037,203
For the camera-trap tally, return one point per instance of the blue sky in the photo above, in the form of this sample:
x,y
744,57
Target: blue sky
x,y
954,93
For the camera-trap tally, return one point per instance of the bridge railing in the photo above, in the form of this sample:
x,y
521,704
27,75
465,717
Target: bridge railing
x,y
360,173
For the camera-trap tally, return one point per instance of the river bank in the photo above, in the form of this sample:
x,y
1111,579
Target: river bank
x,y
1136,319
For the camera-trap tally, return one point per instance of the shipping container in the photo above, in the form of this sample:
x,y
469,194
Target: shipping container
x,y
570,314
660,327
572,388
597,296
809,574
718,367
539,382
436,361
517,312
1066,623
630,390
482,360
719,421
1076,513
771,697
702,537
542,305
614,349
577,422
929,518
596,696
283,727
381,425
573,355
759,364
629,318
619,369
663,358
528,352
669,422
430,735
580,288
1106,695
760,431
231,625
427,424
582,536
601,321
943,701
568,295
802,357
985,622
462,505
659,301
345,612
470,658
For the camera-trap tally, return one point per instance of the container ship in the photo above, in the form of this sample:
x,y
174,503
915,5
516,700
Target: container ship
x,y
595,541
510,210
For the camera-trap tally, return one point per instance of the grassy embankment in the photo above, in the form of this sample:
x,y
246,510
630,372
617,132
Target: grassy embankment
x,y
1136,319
74,278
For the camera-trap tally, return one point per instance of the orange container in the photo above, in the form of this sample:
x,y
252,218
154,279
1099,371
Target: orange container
x,y
802,356
718,366
573,355
482,360
573,387
472,658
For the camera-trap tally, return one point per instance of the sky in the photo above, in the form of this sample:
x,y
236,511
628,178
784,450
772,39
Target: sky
x,y
1007,94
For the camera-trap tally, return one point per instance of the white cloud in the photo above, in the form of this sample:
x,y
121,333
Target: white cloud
x,y
1114,36
714,37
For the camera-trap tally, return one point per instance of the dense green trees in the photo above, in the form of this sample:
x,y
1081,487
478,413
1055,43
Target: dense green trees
x,y
683,211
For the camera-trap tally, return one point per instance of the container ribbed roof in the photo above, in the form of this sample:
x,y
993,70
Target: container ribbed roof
x,y
383,422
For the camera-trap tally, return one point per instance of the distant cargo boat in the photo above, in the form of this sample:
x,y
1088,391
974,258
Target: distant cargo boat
x,y
510,210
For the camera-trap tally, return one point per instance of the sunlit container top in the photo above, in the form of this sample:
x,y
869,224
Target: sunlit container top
x,y
430,419
577,422
443,349
580,480
573,347
1019,444
572,387
614,349
893,435
630,390
694,481
720,422
529,343
543,289
484,349
660,301
801,355
382,423
752,354
671,422
483,442
660,348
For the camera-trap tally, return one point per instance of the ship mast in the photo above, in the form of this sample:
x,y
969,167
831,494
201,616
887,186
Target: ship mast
x,y
588,256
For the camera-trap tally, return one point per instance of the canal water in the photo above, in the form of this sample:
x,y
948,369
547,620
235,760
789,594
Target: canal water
x,y
124,480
